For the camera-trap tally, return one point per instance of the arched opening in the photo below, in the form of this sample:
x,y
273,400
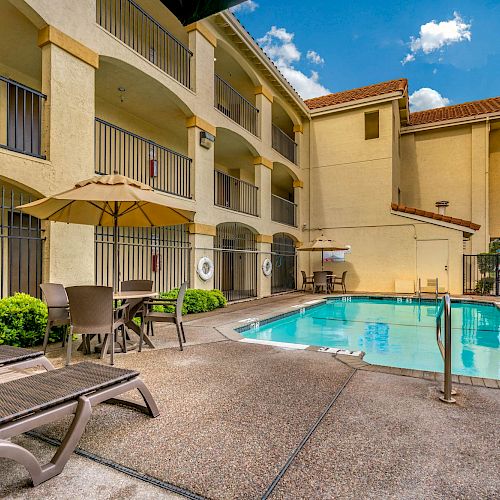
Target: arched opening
x,y
284,259
283,138
235,253
21,243
283,206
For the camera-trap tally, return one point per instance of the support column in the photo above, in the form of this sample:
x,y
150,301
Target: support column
x,y
202,43
264,242
263,169
299,134
264,103
68,80
298,187
201,237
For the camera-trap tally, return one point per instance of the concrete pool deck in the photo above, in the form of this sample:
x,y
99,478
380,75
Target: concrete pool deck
x,y
233,415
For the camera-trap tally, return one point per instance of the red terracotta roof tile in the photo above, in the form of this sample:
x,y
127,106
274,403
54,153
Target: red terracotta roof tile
x,y
435,216
355,94
464,110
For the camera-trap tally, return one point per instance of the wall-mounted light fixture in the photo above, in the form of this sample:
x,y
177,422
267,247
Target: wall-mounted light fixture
x,y
206,140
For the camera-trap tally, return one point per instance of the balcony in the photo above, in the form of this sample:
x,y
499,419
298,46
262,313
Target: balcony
x,y
235,194
135,27
21,123
284,144
283,211
235,106
129,154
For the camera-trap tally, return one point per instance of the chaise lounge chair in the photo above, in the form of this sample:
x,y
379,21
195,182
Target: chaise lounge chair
x,y
46,397
19,358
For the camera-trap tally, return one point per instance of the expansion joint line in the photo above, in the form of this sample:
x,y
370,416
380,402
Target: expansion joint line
x,y
122,468
305,439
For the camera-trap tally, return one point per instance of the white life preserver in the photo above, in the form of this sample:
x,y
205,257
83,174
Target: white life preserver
x,y
205,268
267,267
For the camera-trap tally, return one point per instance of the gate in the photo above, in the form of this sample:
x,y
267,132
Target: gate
x,y
160,253
21,246
284,259
482,274
235,255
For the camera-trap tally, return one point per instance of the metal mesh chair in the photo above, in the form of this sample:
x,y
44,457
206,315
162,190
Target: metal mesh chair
x,y
58,309
306,280
152,316
92,313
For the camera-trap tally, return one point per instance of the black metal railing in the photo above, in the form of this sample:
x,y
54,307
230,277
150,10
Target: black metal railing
x,y
284,144
118,150
135,27
235,194
23,118
284,260
230,102
481,274
283,211
21,245
161,254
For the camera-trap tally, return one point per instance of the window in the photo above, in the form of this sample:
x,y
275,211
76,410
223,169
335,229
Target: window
x,y
372,125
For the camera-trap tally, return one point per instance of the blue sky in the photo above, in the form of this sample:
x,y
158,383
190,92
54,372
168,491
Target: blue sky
x,y
451,49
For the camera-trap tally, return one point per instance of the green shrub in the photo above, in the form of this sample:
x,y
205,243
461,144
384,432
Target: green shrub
x,y
195,301
23,320
485,285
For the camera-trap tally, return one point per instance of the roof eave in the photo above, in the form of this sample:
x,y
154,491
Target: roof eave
x,y
436,222
450,123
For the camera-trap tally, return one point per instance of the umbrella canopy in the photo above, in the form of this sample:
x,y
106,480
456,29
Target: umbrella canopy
x,y
323,245
110,200
190,11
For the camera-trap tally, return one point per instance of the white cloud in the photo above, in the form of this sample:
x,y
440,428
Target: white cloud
x,y
314,57
245,7
278,44
434,36
426,98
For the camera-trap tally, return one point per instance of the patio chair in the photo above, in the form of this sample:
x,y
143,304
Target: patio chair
x,y
340,281
47,397
19,358
152,316
92,313
58,309
136,306
306,280
321,281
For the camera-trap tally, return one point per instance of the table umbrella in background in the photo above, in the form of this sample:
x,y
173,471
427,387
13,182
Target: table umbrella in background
x,y
111,201
322,245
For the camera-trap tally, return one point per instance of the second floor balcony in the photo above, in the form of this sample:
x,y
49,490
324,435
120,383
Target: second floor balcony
x,y
284,144
121,151
129,22
234,194
283,211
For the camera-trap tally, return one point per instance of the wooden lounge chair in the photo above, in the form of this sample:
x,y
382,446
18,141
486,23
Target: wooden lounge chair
x,y
46,397
19,358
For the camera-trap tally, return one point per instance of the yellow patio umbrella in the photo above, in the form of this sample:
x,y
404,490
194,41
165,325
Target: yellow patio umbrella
x,y
322,245
111,201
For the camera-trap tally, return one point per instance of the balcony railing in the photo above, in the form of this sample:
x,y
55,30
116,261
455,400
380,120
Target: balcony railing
x,y
22,129
135,27
235,106
128,154
284,144
235,194
283,211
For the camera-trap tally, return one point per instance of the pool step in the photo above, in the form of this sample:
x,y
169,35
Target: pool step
x,y
345,352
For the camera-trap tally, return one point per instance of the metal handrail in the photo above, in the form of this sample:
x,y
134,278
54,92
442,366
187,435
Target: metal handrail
x,y
445,349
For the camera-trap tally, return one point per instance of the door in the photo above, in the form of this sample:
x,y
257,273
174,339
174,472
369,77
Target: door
x,y
432,264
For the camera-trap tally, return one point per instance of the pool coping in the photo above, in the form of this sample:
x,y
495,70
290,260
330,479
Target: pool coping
x,y
353,359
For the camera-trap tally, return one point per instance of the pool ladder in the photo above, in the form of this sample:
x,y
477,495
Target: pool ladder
x,y
419,290
445,349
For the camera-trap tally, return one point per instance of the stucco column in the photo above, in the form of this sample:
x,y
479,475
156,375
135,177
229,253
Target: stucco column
x,y
263,169
264,103
298,187
68,80
201,237
264,242
299,134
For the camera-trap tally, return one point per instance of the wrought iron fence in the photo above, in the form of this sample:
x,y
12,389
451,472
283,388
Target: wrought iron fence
x,y
230,102
283,211
23,118
20,246
481,274
135,27
129,154
235,259
284,144
235,194
161,254
284,259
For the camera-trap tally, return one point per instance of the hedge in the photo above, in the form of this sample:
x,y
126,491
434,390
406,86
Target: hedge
x,y
195,301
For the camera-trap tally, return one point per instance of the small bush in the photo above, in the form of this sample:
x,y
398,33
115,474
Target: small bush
x,y
485,285
23,320
195,301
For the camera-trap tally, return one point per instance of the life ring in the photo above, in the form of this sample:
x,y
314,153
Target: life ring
x,y
267,267
205,268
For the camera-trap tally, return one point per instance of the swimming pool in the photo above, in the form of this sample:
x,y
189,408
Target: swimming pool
x,y
395,332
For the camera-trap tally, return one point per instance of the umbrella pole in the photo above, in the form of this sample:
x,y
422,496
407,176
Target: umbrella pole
x,y
115,249
322,257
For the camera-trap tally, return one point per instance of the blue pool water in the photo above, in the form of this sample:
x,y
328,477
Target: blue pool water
x,y
395,333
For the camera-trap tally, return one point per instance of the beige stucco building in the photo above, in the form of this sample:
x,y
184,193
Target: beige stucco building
x,y
203,116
